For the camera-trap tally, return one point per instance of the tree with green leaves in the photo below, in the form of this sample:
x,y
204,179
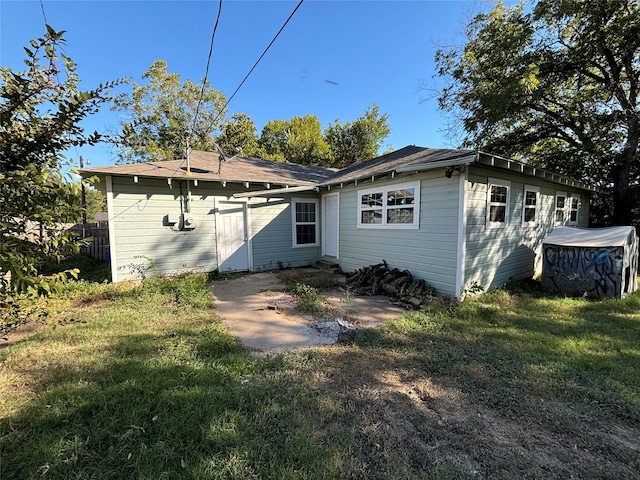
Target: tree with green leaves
x,y
556,85
239,137
40,113
273,140
299,140
358,140
95,202
163,112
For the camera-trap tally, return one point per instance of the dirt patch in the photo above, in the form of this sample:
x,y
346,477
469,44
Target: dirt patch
x,y
433,425
21,332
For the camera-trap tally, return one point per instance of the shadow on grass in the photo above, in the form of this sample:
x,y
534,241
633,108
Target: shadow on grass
x,y
202,409
517,387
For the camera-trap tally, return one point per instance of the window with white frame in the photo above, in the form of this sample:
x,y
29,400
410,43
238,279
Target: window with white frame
x,y
393,206
498,203
305,222
561,208
574,206
567,208
530,204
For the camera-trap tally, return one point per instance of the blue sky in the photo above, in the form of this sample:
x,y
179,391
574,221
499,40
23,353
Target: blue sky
x,y
334,59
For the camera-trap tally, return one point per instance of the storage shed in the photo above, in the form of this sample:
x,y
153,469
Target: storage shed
x,y
598,262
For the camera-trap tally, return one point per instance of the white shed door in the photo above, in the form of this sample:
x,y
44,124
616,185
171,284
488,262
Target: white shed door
x,y
330,206
233,250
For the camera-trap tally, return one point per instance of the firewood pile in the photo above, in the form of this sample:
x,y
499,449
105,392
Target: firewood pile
x,y
398,285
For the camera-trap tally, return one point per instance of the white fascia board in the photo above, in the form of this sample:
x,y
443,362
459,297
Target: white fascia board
x,y
276,191
418,167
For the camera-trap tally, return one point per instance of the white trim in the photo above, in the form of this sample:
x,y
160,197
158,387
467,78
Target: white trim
x,y
294,235
249,233
570,198
324,224
498,182
275,191
462,233
564,208
112,229
531,188
415,225
451,162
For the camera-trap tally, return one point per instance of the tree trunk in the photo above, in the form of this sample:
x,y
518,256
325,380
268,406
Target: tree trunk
x,y
623,201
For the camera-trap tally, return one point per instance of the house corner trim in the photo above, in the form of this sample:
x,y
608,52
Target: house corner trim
x,y
462,234
112,230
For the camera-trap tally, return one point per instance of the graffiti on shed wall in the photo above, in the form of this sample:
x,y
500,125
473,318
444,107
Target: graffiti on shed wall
x,y
597,272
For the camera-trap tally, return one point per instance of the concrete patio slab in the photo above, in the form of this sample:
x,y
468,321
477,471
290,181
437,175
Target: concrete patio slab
x,y
258,312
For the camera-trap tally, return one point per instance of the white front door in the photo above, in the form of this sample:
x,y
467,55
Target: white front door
x,y
330,207
233,247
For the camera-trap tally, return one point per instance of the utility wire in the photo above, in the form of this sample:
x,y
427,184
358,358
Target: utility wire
x,y
246,76
43,14
258,61
204,83
206,72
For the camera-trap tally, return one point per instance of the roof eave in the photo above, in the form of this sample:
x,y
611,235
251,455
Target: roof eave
x,y
276,191
516,166
421,167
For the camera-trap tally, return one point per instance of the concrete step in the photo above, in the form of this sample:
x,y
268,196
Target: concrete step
x,y
328,266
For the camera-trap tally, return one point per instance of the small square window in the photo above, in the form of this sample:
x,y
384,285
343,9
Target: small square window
x,y
498,213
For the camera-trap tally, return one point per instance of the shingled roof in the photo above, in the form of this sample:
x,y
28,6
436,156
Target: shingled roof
x,y
404,157
209,166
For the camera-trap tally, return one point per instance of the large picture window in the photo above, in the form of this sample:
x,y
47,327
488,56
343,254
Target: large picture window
x,y
498,192
305,222
393,206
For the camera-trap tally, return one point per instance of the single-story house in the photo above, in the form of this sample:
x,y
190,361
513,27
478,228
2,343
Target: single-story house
x,y
458,219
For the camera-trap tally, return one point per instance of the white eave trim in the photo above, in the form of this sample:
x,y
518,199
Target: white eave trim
x,y
276,191
529,170
419,167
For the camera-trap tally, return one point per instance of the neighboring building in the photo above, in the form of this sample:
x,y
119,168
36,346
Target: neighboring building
x,y
454,218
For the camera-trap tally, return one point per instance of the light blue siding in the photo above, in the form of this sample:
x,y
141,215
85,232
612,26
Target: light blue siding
x,y
146,244
272,234
429,252
494,256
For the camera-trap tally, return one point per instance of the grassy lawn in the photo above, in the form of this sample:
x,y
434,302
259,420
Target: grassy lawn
x,y
142,381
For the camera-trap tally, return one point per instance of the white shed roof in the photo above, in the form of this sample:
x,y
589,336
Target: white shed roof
x,y
589,237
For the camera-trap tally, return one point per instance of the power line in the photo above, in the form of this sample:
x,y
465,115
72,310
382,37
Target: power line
x,y
206,72
258,61
43,14
243,80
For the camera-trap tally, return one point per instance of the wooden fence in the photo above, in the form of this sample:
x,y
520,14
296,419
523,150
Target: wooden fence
x,y
99,233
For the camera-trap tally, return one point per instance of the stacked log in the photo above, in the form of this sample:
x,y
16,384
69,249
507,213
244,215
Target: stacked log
x,y
398,285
